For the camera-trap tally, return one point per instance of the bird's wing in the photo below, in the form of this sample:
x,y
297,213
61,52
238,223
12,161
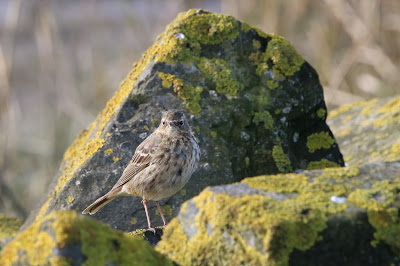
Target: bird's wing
x,y
140,160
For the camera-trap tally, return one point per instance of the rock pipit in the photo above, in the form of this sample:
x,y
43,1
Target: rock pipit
x,y
161,166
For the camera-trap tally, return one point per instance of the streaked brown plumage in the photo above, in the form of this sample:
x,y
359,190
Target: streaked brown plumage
x,y
161,166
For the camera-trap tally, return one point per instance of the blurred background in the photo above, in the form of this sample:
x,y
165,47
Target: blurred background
x,y
60,61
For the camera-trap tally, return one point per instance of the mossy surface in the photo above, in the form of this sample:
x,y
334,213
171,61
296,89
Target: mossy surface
x,y
52,238
368,131
263,219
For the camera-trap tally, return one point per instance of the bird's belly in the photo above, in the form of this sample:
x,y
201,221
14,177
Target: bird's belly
x,y
159,182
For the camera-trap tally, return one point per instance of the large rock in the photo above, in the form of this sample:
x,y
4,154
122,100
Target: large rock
x,y
368,131
254,104
335,216
64,238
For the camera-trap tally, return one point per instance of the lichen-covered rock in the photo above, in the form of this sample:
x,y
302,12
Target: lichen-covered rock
x,y
9,227
368,131
335,216
65,238
254,104
153,237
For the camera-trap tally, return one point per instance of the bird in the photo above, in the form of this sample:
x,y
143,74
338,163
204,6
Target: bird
x,y
161,165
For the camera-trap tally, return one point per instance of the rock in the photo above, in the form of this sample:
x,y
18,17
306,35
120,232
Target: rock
x,y
65,238
8,229
254,104
368,131
335,216
153,237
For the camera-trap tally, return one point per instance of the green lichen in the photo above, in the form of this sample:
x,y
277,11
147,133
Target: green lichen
x,y
321,113
284,56
282,161
9,226
264,117
272,85
58,230
321,140
184,37
218,71
324,163
223,224
189,94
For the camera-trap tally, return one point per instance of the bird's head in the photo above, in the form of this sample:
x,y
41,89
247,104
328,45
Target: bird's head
x,y
174,122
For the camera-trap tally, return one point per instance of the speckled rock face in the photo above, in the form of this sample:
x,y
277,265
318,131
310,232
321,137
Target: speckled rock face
x,y
368,131
64,238
335,216
254,104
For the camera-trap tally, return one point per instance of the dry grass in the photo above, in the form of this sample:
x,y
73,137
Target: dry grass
x,y
61,60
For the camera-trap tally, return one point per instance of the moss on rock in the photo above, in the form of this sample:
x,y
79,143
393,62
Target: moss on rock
x,y
53,238
264,219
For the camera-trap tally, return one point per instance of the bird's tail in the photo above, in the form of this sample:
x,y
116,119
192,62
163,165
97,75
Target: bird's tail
x,y
100,202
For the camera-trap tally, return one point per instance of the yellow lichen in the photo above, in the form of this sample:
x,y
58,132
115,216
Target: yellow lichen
x,y
133,220
213,134
58,230
223,222
70,199
116,159
108,151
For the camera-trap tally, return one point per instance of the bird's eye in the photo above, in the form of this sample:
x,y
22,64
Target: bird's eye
x,y
181,123
164,123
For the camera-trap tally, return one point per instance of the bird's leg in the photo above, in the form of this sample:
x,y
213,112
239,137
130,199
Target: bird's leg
x,y
162,216
147,215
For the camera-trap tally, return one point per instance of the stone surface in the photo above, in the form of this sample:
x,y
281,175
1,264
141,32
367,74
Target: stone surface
x,y
8,229
335,216
368,131
65,238
254,104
